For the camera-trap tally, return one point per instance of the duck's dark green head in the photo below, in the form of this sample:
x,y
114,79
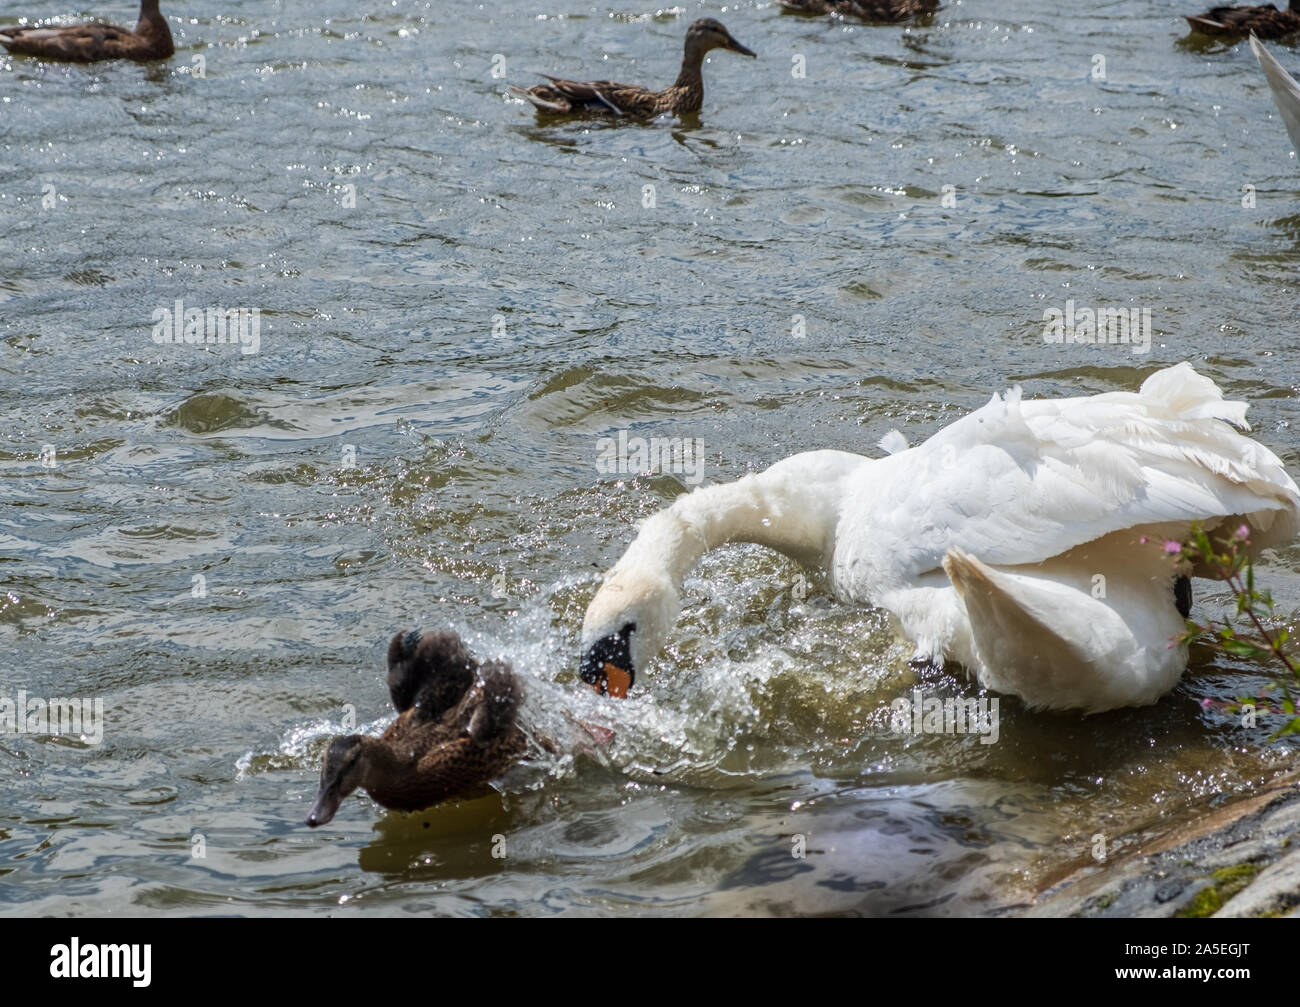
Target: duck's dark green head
x,y
341,772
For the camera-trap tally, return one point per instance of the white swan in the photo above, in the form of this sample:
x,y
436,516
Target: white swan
x,y
1286,92
1011,541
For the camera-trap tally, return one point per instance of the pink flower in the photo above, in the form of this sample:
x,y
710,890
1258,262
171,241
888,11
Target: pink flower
x,y
1243,532
1173,548
1206,703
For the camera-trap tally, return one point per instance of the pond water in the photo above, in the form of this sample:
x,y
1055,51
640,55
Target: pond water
x,y
456,301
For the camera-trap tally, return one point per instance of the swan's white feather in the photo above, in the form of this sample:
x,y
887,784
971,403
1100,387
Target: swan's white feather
x,y
892,443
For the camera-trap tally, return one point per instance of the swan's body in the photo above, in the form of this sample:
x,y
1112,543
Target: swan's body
x,y
1286,92
1012,541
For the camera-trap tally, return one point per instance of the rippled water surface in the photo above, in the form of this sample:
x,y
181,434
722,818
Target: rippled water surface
x,y
463,299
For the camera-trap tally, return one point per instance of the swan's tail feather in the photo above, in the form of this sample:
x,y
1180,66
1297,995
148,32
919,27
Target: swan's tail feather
x,y
1188,395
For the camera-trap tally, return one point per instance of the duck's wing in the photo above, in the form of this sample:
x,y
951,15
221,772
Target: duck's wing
x,y
81,43
884,11
1266,21
491,707
808,6
1020,482
1286,92
621,99
428,673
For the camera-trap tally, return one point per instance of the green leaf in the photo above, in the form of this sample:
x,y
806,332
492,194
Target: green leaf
x,y
1243,649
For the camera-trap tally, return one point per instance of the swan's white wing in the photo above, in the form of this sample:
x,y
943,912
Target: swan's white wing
x,y
1020,482
1286,92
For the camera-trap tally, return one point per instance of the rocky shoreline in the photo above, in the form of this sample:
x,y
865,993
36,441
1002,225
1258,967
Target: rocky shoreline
x,y
1238,860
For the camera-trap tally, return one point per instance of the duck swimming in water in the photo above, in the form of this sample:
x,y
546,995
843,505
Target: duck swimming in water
x,y
87,43
685,95
1025,541
881,11
1265,22
456,730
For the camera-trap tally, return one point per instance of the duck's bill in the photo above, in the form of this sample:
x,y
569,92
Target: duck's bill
x,y
735,46
327,804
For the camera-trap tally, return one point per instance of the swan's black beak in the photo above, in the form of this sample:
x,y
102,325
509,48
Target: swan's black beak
x,y
607,664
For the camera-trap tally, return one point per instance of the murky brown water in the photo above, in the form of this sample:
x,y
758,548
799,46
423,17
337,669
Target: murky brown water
x,y
415,439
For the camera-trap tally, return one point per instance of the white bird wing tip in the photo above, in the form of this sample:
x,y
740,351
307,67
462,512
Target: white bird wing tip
x,y
892,443
1286,92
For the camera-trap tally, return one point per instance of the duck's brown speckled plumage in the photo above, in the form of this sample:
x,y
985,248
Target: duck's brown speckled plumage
x,y
886,11
87,43
685,95
1266,21
456,730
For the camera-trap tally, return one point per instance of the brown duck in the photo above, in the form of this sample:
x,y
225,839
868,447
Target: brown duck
x,y
86,43
886,11
456,730
1266,21
685,95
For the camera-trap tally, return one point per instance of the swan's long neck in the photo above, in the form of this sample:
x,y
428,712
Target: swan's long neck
x,y
743,511
792,507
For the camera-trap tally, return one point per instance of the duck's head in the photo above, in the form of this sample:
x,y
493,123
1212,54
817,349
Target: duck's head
x,y
342,772
625,626
706,34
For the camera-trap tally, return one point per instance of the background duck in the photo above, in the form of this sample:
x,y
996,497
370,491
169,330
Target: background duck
x,y
685,95
887,11
1025,541
456,731
1266,21
86,43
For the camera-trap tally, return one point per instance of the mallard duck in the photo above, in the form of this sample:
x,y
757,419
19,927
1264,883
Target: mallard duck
x,y
86,43
685,95
1266,21
886,11
1026,541
456,730
1286,91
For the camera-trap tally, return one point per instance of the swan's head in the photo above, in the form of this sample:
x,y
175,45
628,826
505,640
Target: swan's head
x,y
626,624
